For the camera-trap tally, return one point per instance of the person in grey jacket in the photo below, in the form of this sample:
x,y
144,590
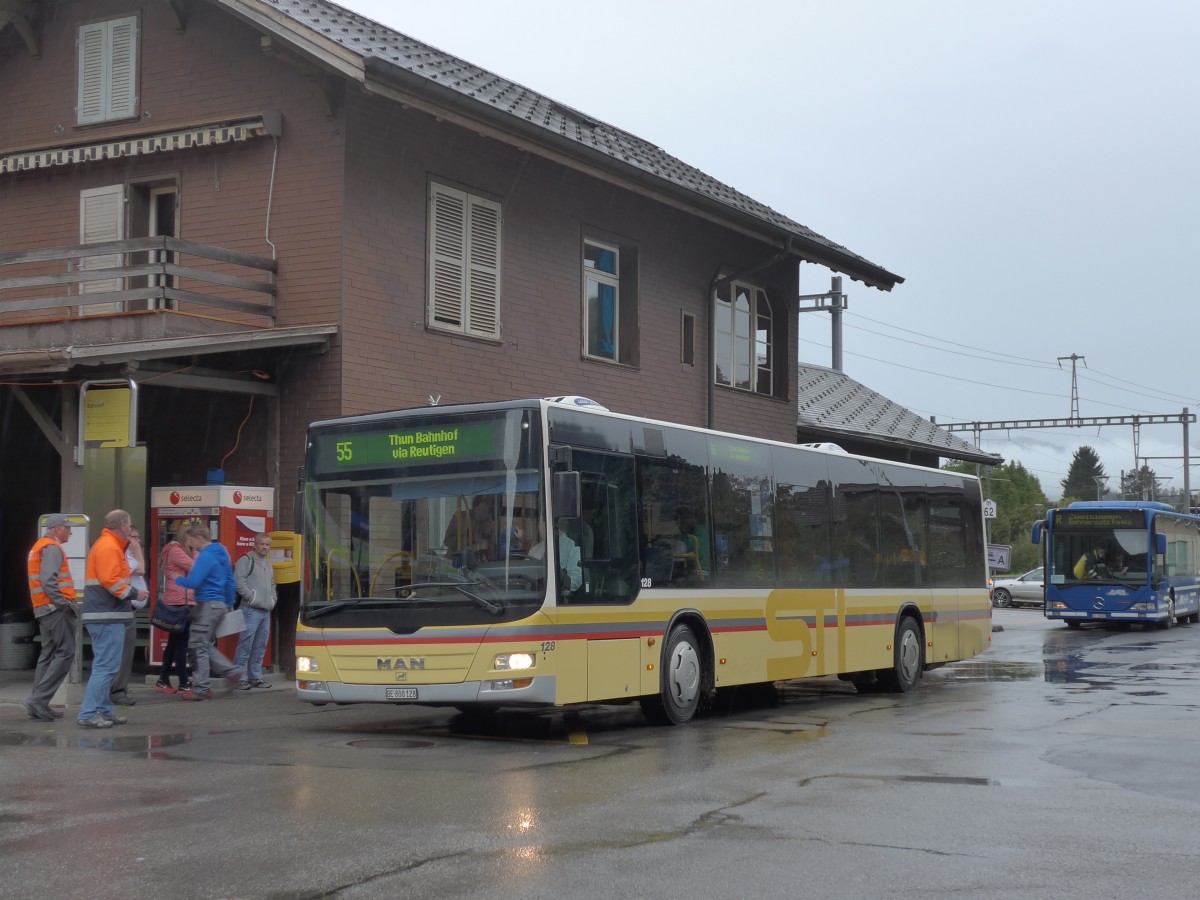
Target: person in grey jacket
x,y
255,578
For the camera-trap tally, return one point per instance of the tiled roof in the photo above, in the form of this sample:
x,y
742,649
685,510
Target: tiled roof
x,y
834,402
371,42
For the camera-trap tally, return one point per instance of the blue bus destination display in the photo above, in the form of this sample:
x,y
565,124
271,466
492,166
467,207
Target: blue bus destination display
x,y
381,448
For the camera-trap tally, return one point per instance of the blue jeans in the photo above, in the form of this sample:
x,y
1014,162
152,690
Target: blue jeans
x,y
108,643
252,645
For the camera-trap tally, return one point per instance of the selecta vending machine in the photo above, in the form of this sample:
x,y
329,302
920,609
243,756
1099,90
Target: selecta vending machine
x,y
234,515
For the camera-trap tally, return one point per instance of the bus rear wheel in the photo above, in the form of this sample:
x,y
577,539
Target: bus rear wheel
x,y
681,682
908,654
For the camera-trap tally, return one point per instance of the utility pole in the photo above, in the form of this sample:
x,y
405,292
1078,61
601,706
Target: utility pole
x,y
832,301
1074,383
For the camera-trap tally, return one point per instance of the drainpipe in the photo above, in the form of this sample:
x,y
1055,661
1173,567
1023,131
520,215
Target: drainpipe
x,y
713,286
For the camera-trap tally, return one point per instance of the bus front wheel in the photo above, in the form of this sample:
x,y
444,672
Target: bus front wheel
x,y
681,682
908,653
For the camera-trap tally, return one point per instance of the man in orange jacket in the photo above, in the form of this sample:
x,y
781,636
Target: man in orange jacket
x,y
52,590
107,606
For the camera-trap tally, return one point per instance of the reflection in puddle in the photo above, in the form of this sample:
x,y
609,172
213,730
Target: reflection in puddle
x,y
987,670
152,745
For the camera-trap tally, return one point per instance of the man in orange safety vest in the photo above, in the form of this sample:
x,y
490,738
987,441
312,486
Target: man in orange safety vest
x,y
53,593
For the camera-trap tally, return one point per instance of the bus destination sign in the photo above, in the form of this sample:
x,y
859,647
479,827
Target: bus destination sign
x,y
1100,518
386,447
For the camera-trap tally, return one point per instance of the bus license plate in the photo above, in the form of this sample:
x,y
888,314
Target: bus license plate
x,y
399,693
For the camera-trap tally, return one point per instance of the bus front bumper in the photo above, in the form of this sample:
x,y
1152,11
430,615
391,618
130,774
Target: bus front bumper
x,y
1085,615
493,692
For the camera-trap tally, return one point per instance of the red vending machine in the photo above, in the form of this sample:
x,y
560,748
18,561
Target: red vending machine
x,y
234,514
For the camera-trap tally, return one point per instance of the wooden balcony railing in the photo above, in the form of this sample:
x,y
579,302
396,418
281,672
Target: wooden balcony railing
x,y
136,274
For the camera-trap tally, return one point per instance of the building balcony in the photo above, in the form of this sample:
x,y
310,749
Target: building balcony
x,y
89,303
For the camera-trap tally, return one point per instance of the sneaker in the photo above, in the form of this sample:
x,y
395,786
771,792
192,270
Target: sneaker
x,y
57,713
260,684
235,679
192,694
96,721
37,711
117,720
242,686
122,699
165,688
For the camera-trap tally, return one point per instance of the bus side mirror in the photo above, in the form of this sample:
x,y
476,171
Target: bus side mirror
x,y
565,495
1036,535
1160,543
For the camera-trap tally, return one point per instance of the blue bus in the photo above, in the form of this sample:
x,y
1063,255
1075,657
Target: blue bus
x,y
1121,561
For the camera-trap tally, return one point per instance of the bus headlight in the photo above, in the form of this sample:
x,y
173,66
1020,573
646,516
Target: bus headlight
x,y
514,661
1055,604
306,664
1146,606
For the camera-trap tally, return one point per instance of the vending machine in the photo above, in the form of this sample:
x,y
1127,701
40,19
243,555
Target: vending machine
x,y
234,515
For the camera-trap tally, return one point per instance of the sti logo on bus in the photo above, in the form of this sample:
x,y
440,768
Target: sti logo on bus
x,y
399,662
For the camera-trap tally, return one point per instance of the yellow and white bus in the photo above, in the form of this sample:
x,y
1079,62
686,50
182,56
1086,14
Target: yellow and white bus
x,y
551,552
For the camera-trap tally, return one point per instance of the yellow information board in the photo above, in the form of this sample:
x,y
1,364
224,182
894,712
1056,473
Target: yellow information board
x,y
106,418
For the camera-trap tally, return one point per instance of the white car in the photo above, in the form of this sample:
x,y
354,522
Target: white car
x,y
1025,590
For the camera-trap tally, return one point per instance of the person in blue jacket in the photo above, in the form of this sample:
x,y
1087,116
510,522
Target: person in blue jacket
x,y
215,590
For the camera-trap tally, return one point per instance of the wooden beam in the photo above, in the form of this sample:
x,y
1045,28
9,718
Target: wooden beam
x,y
179,9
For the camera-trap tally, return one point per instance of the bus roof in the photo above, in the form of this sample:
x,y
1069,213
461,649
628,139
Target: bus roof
x,y
1121,504
591,407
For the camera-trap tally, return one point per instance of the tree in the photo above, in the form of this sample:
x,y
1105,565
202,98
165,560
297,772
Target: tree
x,y
1140,484
1080,483
1020,502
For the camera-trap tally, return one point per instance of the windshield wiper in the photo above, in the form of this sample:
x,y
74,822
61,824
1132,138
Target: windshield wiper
x,y
490,605
325,610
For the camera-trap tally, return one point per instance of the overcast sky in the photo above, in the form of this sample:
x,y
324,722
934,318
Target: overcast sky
x,y
1029,168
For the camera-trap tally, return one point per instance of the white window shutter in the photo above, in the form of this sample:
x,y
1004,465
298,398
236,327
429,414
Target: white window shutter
x,y
447,255
123,79
92,94
483,268
101,218
107,71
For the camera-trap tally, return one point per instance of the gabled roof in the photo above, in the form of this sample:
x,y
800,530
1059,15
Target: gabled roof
x,y
834,402
379,58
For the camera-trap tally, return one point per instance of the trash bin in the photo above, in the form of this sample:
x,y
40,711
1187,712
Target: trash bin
x,y
17,647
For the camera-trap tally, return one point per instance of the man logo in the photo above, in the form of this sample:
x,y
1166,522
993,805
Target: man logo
x,y
399,662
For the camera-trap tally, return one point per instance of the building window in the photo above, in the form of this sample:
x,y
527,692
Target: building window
x,y
602,290
610,301
687,339
107,71
464,262
745,338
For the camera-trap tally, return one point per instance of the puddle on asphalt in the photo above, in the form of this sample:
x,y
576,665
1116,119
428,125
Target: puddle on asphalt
x,y
391,744
152,745
986,670
969,781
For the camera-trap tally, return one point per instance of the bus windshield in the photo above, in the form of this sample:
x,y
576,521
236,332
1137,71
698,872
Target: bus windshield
x,y
412,525
1105,546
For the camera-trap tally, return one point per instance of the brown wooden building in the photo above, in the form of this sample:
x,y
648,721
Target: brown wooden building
x,y
265,212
